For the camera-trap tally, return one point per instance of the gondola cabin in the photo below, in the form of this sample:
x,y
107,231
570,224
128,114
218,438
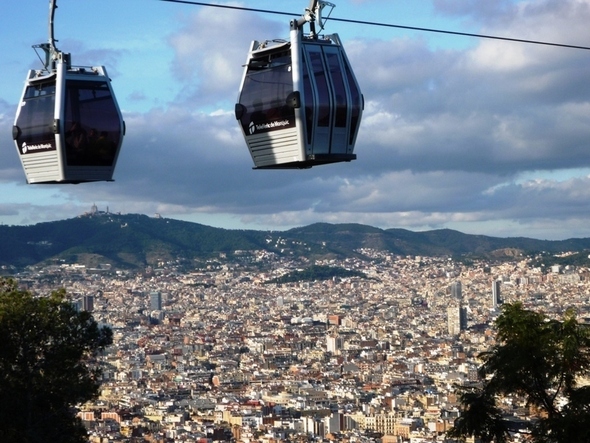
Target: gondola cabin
x,y
68,127
299,104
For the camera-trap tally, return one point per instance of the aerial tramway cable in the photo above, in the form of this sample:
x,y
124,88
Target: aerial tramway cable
x,y
387,25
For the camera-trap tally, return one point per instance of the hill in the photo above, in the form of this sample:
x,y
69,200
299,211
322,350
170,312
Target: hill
x,y
135,241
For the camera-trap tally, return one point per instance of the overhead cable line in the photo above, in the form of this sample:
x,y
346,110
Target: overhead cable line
x,y
386,25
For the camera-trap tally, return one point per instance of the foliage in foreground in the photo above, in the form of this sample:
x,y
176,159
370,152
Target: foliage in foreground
x,y
46,352
541,361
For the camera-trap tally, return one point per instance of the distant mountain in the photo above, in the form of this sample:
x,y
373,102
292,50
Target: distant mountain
x,y
440,242
135,241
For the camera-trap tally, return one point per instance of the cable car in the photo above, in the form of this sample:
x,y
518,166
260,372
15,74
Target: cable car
x,y
68,126
299,104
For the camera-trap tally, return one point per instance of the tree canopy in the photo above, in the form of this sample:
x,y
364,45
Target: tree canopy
x,y
539,361
46,365
317,272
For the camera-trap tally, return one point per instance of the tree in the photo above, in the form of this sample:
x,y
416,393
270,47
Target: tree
x,y
541,361
47,350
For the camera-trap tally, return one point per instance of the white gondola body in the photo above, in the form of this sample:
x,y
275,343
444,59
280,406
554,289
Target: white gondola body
x,y
299,104
68,127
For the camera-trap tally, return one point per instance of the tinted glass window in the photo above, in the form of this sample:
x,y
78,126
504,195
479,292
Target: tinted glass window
x,y
40,90
339,88
319,73
308,98
92,124
356,103
264,95
35,119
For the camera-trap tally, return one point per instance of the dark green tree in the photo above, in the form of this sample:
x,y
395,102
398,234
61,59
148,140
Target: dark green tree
x,y
541,361
47,356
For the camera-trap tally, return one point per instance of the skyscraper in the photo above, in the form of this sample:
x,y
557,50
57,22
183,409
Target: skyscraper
x,y
334,343
88,303
456,319
456,290
156,301
496,296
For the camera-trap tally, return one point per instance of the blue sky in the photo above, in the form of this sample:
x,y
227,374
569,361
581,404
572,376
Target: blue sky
x,y
483,136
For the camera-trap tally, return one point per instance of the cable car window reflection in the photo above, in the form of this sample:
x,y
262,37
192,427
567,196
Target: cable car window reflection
x,y
265,92
36,115
308,98
319,73
92,124
41,90
339,89
356,102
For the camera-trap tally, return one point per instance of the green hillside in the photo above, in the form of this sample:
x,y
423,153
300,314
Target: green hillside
x,y
135,241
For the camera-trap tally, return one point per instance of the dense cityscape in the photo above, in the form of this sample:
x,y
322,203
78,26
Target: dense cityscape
x,y
211,351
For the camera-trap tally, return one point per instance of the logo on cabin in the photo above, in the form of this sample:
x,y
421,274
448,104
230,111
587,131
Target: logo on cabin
x,y
264,127
33,148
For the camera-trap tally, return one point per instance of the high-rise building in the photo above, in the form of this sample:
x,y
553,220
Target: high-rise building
x,y
332,423
456,290
456,319
88,303
156,301
496,296
334,343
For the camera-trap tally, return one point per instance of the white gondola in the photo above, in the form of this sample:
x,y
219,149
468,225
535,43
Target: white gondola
x,y
299,103
68,126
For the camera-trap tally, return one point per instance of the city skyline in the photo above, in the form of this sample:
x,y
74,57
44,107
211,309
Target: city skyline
x,y
273,362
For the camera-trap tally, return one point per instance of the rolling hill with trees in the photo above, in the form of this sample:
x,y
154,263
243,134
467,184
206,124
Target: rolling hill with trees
x,y
134,241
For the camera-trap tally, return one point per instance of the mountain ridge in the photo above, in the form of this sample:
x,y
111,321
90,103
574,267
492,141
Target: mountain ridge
x,y
135,240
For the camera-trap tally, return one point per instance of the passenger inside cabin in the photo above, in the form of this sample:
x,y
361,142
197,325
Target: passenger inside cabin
x,y
76,143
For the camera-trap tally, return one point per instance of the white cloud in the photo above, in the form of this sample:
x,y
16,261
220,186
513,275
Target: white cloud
x,y
210,48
